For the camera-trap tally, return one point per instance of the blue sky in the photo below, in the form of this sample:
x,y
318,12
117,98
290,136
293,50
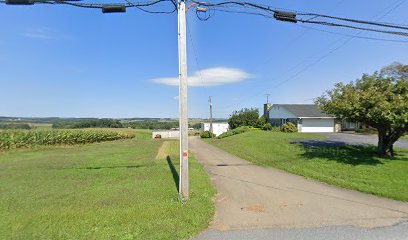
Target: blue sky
x,y
69,62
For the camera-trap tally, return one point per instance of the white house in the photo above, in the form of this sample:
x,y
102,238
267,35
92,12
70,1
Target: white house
x,y
218,127
307,117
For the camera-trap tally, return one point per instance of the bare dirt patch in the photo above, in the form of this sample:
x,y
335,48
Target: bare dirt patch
x,y
163,151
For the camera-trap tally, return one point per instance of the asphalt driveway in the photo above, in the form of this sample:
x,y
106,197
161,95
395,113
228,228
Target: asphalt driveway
x,y
254,202
342,139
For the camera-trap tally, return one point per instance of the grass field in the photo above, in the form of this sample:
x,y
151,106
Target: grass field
x,y
114,190
351,167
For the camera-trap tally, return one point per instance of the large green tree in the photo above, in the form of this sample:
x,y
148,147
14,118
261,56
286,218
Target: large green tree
x,y
246,117
379,100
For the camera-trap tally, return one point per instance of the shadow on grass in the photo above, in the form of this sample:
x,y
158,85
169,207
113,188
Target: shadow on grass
x,y
173,172
112,167
353,155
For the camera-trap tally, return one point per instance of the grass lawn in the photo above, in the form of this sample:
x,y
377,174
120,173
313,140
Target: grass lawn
x,y
353,167
111,190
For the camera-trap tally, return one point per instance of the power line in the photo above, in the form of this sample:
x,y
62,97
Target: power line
x,y
195,52
405,34
397,3
267,11
350,35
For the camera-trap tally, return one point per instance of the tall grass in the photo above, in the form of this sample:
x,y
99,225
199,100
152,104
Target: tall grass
x,y
20,139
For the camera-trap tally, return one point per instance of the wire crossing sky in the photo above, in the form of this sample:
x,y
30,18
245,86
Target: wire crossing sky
x,y
66,61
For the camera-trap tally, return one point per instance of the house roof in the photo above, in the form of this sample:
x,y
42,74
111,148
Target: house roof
x,y
304,110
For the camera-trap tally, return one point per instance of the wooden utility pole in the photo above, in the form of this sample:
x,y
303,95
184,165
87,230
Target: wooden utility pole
x,y
183,121
211,119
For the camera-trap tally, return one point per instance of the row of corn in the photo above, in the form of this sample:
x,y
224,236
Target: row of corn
x,y
23,138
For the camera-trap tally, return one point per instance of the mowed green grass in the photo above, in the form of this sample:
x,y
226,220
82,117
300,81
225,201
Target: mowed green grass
x,y
350,167
111,190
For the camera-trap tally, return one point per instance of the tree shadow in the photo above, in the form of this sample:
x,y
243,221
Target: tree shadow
x,y
347,154
174,172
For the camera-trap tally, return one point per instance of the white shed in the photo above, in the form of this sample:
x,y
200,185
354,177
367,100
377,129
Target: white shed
x,y
218,127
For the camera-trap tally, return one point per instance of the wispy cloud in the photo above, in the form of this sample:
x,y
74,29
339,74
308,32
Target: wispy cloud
x,y
209,77
43,33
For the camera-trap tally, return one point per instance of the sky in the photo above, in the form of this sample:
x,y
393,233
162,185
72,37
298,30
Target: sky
x,y
62,61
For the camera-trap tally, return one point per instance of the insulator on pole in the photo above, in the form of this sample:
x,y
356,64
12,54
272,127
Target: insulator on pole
x,y
201,9
113,8
20,2
285,16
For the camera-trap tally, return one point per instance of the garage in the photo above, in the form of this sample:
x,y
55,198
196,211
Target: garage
x,y
316,125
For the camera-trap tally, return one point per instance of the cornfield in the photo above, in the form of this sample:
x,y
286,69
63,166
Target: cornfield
x,y
21,138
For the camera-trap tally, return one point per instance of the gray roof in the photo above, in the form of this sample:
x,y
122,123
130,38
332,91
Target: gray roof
x,y
303,110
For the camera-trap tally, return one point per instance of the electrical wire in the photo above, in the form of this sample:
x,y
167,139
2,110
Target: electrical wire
x,y
350,35
195,52
267,11
149,11
405,34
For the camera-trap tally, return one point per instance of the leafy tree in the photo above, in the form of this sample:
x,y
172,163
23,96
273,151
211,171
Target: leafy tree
x,y
379,100
244,117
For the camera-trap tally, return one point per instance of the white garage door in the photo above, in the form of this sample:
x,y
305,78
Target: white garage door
x,y
317,125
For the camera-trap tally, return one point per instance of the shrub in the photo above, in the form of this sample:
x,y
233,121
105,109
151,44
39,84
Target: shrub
x,y
207,134
289,128
236,131
260,122
244,117
19,139
275,129
267,127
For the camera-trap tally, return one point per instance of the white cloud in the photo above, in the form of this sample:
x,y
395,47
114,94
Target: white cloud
x,y
209,77
38,33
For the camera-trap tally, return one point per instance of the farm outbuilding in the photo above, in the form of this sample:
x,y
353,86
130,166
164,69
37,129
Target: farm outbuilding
x,y
166,134
218,127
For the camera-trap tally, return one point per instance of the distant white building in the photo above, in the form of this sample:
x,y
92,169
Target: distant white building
x,y
166,134
218,127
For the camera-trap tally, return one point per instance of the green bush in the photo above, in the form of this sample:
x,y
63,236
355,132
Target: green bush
x,y
289,128
19,139
260,122
267,127
207,134
236,131
275,129
244,117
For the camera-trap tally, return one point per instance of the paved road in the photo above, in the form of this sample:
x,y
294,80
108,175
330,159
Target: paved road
x,y
262,203
399,232
341,139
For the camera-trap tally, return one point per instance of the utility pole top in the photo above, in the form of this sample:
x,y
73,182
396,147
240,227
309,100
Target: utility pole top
x,y
267,98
